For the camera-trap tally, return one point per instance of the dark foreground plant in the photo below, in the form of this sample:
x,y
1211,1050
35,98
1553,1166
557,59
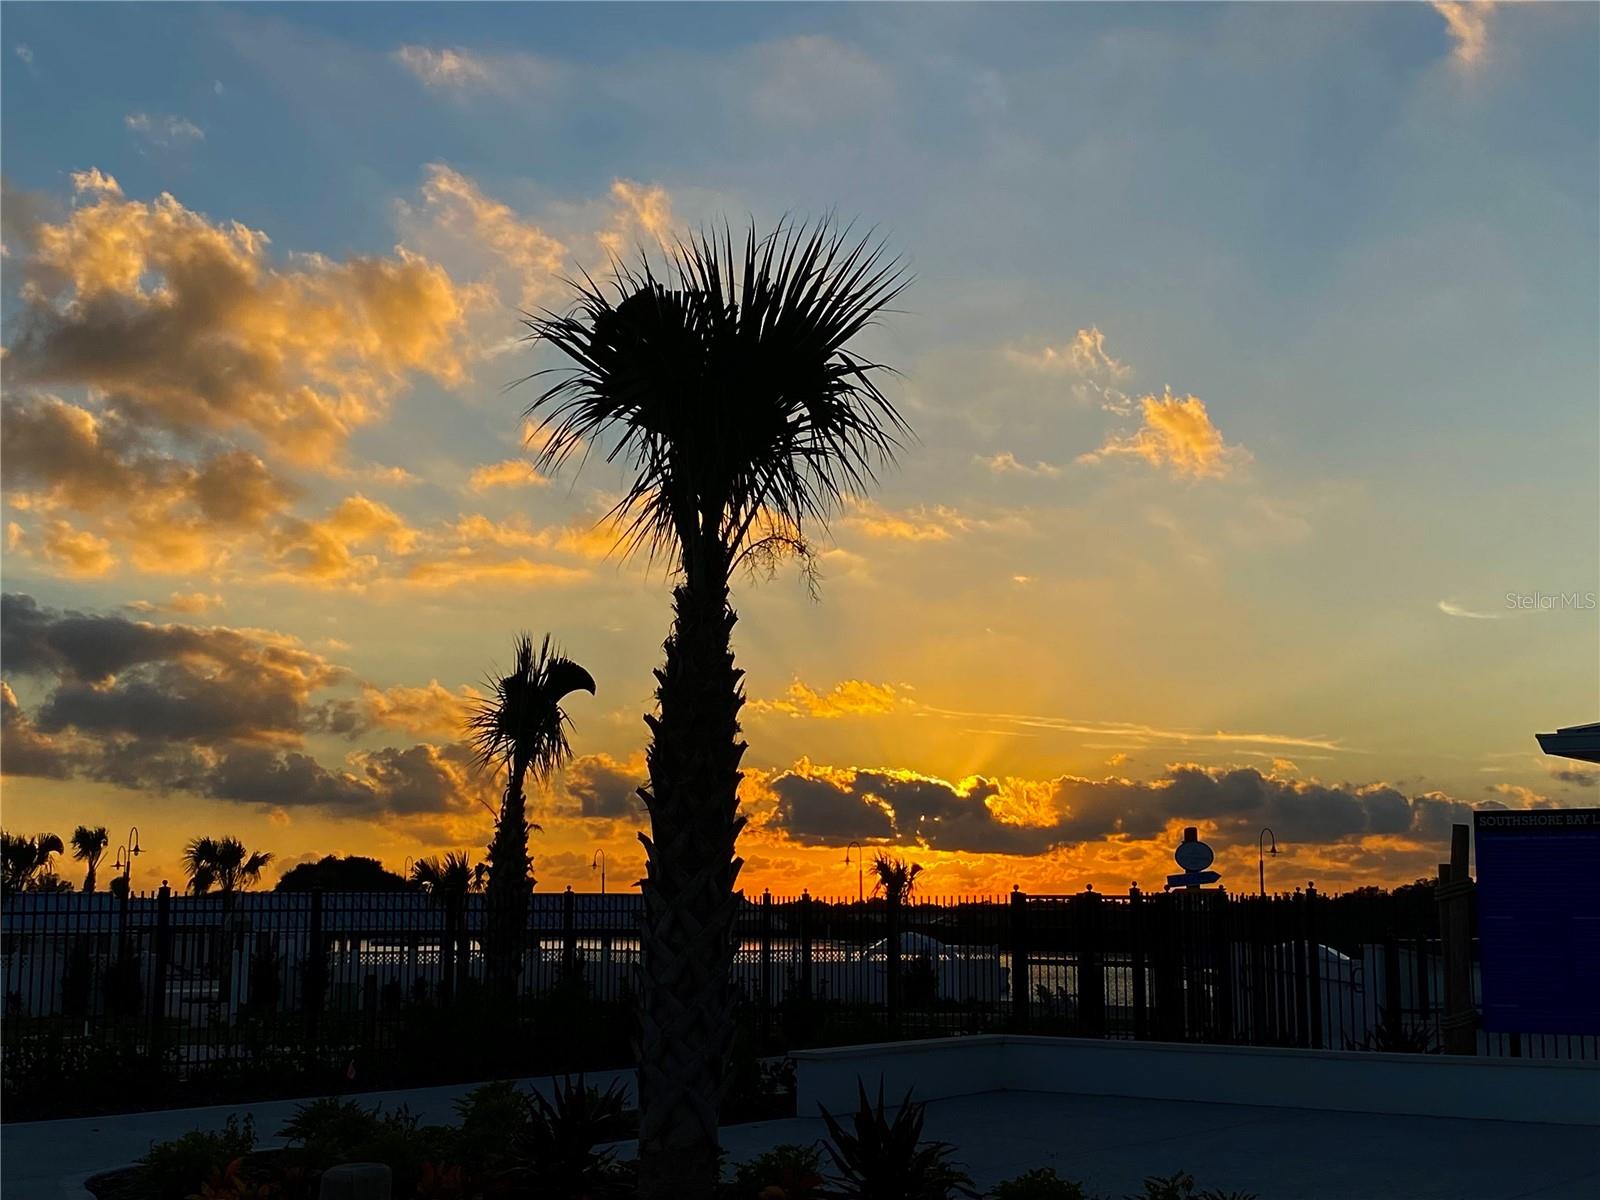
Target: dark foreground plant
x,y
563,1137
885,1158
1180,1186
782,1173
1041,1183
175,1170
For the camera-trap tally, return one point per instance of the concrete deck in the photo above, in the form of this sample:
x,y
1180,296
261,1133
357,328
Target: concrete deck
x,y
1108,1142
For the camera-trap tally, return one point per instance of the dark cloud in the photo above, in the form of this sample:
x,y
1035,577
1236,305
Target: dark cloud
x,y
1579,778
836,806
819,812
23,749
603,787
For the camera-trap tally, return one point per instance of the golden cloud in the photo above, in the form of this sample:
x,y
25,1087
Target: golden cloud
x,y
1176,433
189,324
510,472
433,711
849,698
1468,26
1085,354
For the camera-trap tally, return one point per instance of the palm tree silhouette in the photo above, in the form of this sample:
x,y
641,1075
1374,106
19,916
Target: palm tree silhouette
x,y
447,881
896,878
25,864
88,847
523,726
222,863
729,393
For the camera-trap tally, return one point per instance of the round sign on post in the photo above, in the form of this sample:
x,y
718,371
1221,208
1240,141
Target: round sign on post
x,y
1194,856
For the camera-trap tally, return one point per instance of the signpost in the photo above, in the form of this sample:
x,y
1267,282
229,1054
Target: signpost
x,y
1539,919
1194,856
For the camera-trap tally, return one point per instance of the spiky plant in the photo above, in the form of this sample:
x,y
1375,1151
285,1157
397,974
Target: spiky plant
x,y
521,726
728,390
441,878
89,847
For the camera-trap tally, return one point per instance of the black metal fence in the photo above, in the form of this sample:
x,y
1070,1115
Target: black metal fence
x,y
137,1001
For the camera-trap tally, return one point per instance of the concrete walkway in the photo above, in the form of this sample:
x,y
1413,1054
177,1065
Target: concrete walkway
x,y
1108,1143
1111,1143
49,1160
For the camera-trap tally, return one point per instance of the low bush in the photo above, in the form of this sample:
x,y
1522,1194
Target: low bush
x,y
782,1173
1041,1183
175,1170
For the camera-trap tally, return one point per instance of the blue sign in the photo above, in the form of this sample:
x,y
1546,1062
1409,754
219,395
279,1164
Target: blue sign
x,y
1539,919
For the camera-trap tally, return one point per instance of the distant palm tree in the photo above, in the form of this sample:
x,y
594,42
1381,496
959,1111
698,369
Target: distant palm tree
x,y
729,392
25,864
453,875
447,881
523,726
88,847
896,878
222,863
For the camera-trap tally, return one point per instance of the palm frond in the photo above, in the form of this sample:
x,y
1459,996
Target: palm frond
x,y
727,388
522,717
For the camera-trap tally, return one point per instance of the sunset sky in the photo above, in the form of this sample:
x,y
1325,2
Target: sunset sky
x,y
1252,353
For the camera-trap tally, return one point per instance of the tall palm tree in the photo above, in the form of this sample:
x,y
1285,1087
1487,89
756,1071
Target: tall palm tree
x,y
222,863
728,391
896,878
25,864
523,726
89,847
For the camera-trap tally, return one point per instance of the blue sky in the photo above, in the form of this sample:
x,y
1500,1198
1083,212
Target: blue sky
x,y
1362,237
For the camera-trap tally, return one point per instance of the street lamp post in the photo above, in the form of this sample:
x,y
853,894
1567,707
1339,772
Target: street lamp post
x,y
861,890
125,853
600,858
1261,855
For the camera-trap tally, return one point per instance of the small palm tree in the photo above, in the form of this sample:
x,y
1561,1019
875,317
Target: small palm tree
x,y
25,864
453,875
89,847
729,391
895,878
523,727
447,881
222,863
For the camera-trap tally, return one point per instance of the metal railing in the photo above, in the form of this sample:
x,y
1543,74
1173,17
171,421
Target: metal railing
x,y
134,1001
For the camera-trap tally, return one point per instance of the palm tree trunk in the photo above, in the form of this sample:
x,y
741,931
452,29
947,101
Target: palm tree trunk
x,y
506,903
687,944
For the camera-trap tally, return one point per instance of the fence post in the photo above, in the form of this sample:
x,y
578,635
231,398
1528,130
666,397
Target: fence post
x,y
569,933
158,971
1167,964
1091,969
1393,1015
1021,987
1314,967
766,960
315,970
447,946
805,944
1459,1025
891,957
1141,997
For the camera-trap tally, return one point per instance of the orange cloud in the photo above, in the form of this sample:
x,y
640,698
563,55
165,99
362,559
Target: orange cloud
x,y
511,472
1468,26
1085,354
192,326
432,711
850,698
1176,433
